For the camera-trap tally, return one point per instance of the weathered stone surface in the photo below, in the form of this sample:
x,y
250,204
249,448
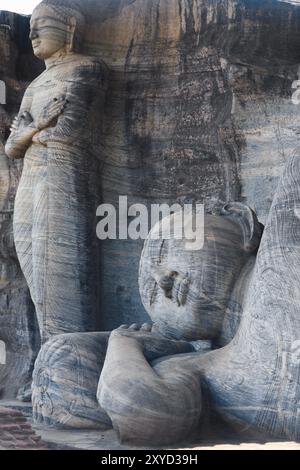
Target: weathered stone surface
x,y
58,132
236,60
65,382
18,329
199,281
265,353
199,108
186,295
253,382
17,434
18,66
235,305
191,295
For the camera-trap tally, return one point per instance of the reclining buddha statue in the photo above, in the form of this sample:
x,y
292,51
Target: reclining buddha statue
x,y
195,300
225,325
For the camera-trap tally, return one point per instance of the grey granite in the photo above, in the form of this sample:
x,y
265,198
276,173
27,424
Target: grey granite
x,y
58,133
198,108
252,382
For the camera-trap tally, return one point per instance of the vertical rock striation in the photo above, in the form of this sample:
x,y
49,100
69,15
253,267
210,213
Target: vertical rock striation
x,y
198,109
18,329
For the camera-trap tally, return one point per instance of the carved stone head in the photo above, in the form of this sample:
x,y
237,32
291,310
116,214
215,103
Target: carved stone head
x,y
186,292
56,29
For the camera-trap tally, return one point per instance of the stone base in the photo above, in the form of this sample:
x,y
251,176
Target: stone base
x,y
17,414
16,432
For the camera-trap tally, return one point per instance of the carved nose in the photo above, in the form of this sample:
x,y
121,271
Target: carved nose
x,y
165,278
33,34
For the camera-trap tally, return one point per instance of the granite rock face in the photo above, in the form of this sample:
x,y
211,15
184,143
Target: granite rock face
x,y
65,382
200,282
18,328
16,432
198,109
188,297
252,382
58,133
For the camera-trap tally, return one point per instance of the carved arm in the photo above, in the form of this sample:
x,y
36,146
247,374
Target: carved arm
x,y
24,128
20,138
145,407
73,125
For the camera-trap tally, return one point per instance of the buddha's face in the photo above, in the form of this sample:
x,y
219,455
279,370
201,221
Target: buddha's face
x,y
48,33
186,292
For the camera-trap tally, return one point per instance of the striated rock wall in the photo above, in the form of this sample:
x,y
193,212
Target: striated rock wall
x,y
198,108
18,329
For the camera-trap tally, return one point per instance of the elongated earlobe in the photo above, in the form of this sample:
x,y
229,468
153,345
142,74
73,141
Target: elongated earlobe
x,y
72,28
246,218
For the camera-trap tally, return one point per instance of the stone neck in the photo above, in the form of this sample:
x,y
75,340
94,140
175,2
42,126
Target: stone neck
x,y
59,58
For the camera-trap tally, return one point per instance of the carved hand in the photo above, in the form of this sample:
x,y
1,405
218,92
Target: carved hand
x,y
145,405
52,111
153,343
22,132
21,121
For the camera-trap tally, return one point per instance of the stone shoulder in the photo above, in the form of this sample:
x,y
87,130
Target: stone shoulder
x,y
90,68
82,68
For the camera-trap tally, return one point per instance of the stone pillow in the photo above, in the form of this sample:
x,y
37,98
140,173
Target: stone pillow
x,y
65,380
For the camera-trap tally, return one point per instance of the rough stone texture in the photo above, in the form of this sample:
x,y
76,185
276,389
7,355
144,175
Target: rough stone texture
x,y
58,133
220,439
186,294
253,382
18,328
233,57
16,433
265,351
199,108
235,305
18,66
253,446
65,382
190,295
199,281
